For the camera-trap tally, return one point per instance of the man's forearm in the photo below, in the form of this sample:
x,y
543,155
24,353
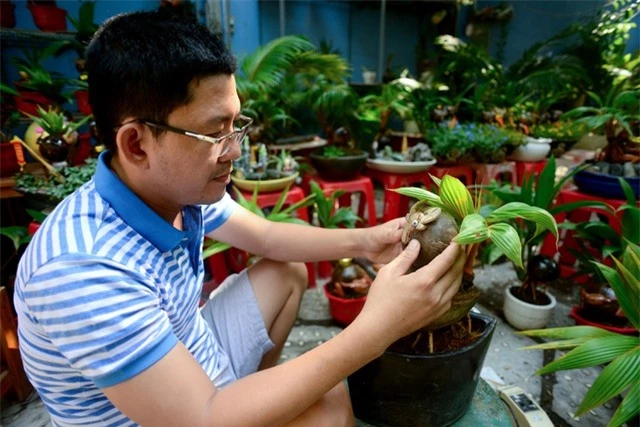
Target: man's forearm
x,y
293,242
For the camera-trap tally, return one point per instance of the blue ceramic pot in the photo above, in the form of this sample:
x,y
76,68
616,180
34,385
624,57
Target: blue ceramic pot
x,y
604,185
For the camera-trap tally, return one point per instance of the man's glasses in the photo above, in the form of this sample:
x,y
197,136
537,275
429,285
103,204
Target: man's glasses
x,y
240,128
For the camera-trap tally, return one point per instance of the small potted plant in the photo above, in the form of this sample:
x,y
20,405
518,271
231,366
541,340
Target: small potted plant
x,y
564,134
255,168
38,86
59,134
450,144
530,305
441,376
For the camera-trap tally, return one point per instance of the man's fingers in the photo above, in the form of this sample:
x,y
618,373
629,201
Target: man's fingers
x,y
443,262
403,261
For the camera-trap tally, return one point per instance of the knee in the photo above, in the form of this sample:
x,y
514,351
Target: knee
x,y
296,273
337,404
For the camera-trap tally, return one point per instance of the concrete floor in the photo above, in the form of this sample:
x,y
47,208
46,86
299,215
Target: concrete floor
x,y
559,394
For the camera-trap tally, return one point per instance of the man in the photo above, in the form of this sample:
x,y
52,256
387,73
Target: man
x,y
107,293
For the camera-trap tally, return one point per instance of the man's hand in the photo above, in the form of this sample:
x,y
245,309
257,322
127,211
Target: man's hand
x,y
381,243
400,303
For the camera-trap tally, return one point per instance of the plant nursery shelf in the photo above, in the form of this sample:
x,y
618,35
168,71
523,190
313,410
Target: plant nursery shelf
x,y
18,37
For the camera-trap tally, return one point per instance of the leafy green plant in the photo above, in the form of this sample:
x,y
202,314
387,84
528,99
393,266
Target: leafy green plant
x,y
55,123
603,238
276,214
592,346
19,234
614,115
455,200
85,29
540,192
564,130
36,78
392,99
53,187
328,216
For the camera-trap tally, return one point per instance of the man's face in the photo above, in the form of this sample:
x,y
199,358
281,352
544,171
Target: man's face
x,y
189,171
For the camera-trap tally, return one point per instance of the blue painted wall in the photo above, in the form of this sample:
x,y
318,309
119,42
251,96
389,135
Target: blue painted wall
x,y
352,27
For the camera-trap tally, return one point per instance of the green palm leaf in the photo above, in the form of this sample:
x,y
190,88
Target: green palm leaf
x,y
629,407
540,217
505,237
473,229
568,333
268,64
456,197
613,379
594,352
421,194
626,293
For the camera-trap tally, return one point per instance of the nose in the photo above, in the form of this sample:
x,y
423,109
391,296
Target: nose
x,y
233,152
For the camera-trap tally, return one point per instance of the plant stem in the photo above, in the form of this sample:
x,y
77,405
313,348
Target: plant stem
x,y
472,251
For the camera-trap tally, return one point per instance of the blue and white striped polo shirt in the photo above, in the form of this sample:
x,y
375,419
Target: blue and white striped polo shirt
x,y
105,289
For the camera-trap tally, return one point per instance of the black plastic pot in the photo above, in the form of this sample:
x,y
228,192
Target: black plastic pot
x,y
342,168
427,390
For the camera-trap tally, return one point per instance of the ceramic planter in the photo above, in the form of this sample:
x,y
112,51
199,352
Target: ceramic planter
x,y
427,390
604,185
522,315
534,150
344,310
342,168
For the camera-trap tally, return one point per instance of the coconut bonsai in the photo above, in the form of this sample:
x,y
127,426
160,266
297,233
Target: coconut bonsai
x,y
59,133
429,377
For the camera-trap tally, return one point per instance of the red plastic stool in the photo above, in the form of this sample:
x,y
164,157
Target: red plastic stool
x,y
486,172
266,200
529,168
463,172
567,240
394,202
361,184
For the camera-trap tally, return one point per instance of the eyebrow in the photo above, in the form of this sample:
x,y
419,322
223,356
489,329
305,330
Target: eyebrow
x,y
222,118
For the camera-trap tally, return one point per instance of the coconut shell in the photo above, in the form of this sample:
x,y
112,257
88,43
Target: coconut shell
x,y
433,239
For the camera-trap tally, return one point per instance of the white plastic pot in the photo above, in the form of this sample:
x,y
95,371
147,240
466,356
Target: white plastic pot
x,y
534,150
522,315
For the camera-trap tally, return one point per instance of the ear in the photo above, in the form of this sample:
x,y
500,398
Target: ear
x,y
132,141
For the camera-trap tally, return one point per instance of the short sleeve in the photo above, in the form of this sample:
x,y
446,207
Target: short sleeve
x,y
103,318
216,214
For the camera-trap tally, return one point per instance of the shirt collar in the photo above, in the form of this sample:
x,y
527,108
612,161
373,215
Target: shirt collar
x,y
134,211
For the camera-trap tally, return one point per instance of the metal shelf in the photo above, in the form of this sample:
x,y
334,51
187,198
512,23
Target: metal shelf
x,y
12,37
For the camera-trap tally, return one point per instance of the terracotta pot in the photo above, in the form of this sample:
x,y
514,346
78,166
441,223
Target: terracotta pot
x,y
82,99
7,14
8,160
400,390
49,18
344,310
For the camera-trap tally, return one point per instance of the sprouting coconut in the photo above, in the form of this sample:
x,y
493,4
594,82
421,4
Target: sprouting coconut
x,y
436,220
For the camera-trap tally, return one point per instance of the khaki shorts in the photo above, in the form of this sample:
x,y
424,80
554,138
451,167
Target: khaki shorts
x,y
233,315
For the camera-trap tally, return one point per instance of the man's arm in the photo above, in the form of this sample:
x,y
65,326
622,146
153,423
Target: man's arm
x,y
293,242
176,391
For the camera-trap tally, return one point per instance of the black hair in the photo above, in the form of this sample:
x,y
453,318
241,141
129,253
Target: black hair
x,y
141,64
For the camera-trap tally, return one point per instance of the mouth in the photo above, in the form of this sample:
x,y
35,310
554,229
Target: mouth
x,y
225,177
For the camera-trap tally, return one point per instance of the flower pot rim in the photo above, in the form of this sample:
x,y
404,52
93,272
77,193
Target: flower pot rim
x,y
338,298
490,322
551,304
363,154
575,315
